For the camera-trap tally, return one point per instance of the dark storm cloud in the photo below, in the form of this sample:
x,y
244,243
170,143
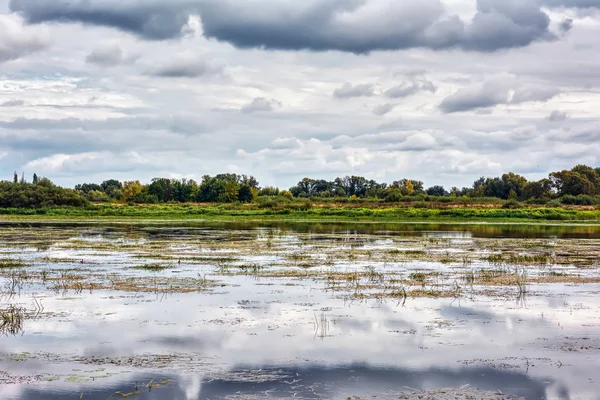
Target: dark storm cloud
x,y
348,90
571,3
152,20
356,26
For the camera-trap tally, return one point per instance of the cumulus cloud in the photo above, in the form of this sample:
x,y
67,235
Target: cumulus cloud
x,y
106,56
486,94
365,26
383,109
495,91
406,89
186,66
17,40
532,93
357,26
557,116
348,90
566,25
150,20
261,104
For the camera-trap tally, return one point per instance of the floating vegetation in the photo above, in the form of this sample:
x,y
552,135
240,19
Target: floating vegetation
x,y
153,267
519,258
11,320
7,263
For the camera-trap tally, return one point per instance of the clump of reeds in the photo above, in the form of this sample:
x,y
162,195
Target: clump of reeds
x,y
152,267
11,320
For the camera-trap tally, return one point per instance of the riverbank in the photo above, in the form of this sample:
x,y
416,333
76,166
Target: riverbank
x,y
308,212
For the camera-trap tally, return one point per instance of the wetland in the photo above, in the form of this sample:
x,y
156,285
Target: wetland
x,y
305,310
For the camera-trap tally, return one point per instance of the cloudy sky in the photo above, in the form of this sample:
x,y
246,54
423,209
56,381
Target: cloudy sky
x,y
443,91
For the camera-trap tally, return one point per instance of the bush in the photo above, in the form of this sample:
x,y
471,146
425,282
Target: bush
x,y
554,203
580,200
393,196
43,194
511,204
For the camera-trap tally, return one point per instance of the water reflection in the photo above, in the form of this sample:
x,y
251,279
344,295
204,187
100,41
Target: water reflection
x,y
206,228
299,340
310,382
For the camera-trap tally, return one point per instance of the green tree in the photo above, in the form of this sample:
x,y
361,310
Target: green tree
x,y
113,188
437,191
571,183
538,189
130,190
245,194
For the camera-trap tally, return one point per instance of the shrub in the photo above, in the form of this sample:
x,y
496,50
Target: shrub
x,y
580,200
512,203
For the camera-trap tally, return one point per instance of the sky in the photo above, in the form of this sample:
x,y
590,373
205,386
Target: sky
x,y
442,91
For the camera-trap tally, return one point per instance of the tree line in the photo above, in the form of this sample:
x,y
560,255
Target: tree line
x,y
579,185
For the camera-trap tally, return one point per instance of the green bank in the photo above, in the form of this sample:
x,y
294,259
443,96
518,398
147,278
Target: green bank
x,y
304,212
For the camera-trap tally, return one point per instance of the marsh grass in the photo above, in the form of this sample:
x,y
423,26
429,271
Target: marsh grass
x,y
11,320
500,258
152,267
9,263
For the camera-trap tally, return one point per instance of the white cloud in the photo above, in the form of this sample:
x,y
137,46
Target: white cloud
x,y
17,40
60,111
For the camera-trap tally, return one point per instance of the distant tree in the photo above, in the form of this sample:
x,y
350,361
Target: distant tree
x,y
269,191
286,194
44,194
248,180
22,181
15,177
409,187
571,183
437,191
45,182
35,179
130,190
88,187
591,174
393,194
112,187
245,194
98,196
538,189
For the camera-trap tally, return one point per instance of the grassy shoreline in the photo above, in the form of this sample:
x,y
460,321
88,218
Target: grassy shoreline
x,y
387,214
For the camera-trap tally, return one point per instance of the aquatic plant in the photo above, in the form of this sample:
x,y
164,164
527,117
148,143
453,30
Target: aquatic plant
x,y
11,320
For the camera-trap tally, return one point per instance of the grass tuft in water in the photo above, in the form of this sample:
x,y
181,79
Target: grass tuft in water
x,y
152,267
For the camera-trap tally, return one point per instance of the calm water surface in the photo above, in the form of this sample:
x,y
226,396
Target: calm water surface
x,y
285,337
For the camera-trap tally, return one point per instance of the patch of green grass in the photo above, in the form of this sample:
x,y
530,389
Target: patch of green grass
x,y
519,258
366,211
152,267
11,263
